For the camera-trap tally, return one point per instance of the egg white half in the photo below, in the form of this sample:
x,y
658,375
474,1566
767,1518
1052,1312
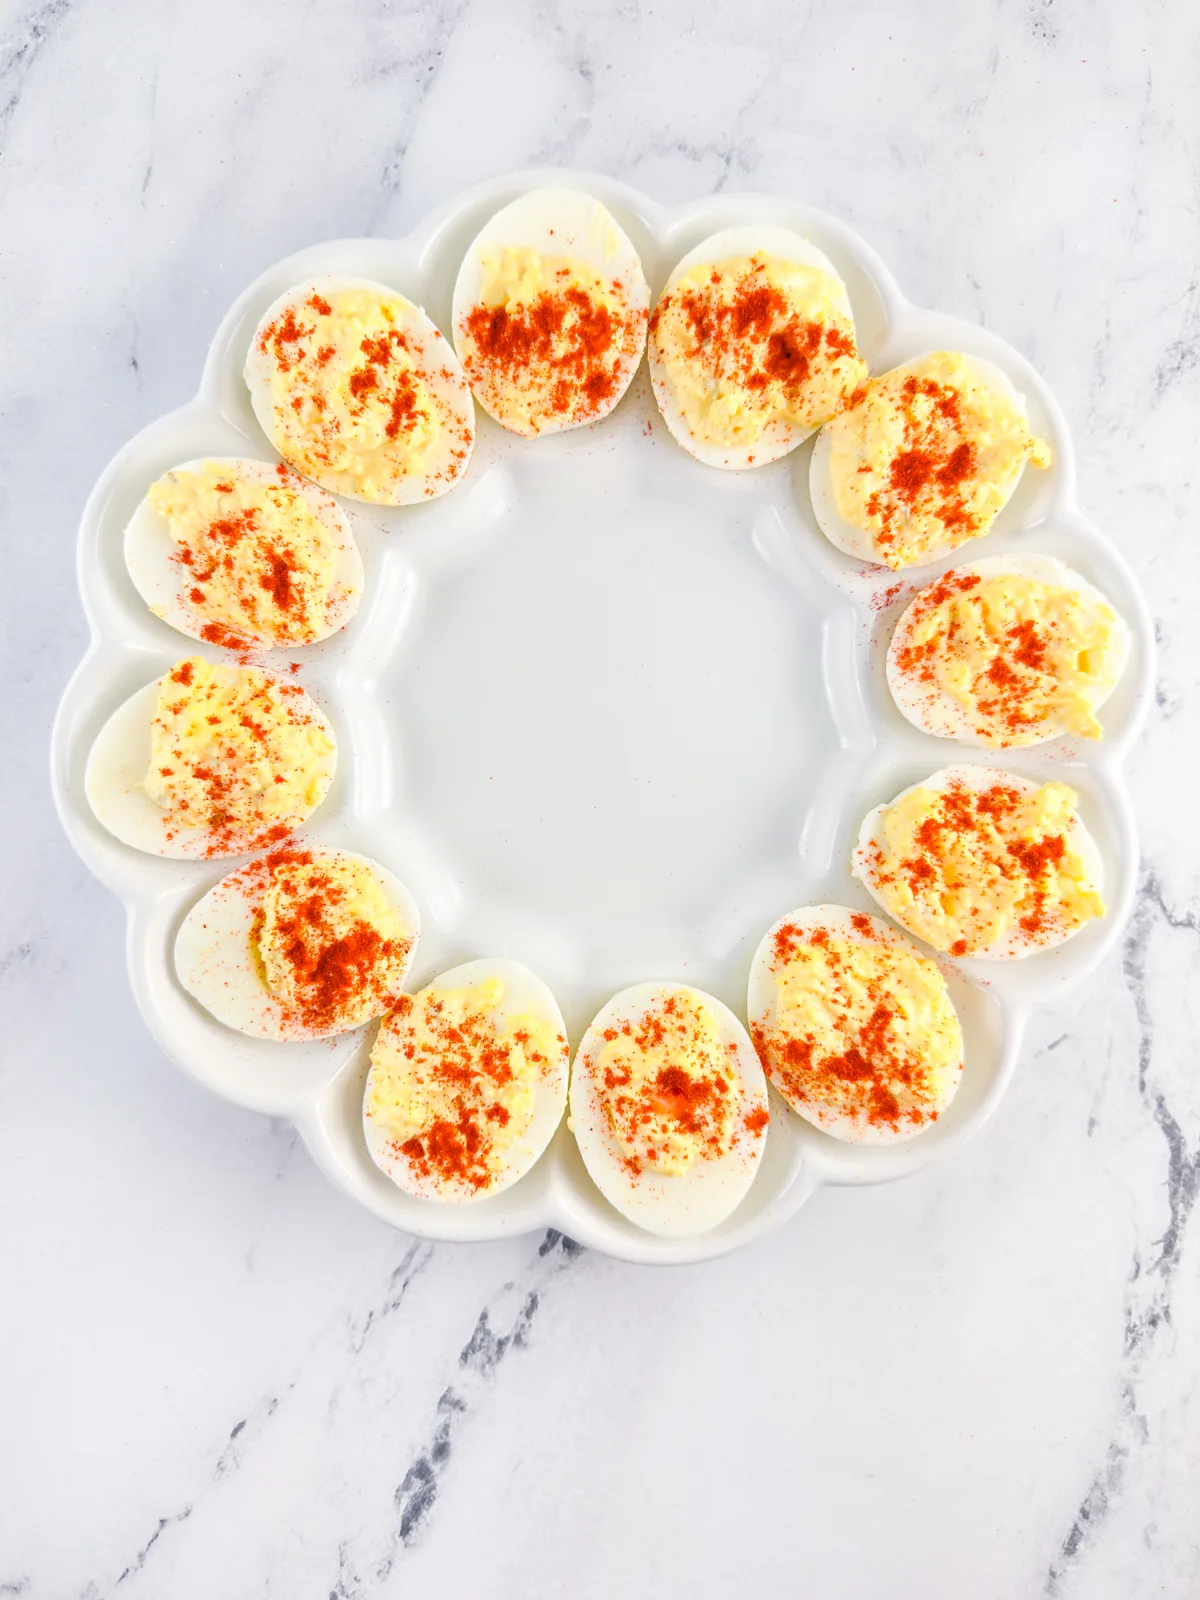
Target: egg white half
x,y
761,997
559,222
524,994
114,776
162,580
1016,944
928,706
779,437
214,960
664,1203
857,542
438,367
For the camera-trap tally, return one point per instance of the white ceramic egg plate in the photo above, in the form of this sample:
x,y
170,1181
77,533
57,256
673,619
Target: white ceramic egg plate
x,y
606,711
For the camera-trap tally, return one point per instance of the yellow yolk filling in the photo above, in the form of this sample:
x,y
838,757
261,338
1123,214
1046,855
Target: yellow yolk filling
x,y
518,276
965,869
546,338
668,1086
753,343
352,407
454,1078
257,559
928,456
863,1029
1020,655
232,748
316,910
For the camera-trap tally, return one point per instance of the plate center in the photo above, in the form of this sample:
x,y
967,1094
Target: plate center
x,y
613,717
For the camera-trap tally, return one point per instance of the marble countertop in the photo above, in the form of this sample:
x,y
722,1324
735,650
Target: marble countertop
x,y
220,1378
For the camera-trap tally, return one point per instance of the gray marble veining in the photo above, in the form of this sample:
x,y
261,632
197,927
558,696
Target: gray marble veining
x,y
217,1377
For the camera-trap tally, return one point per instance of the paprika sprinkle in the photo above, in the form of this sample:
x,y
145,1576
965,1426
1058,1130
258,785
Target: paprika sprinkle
x,y
856,1030
550,313
238,757
668,1085
750,352
260,558
976,861
358,390
467,1082
669,1107
925,458
1011,651
299,944
333,946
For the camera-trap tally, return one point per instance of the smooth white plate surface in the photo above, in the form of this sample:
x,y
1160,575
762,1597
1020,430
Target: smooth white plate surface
x,y
605,711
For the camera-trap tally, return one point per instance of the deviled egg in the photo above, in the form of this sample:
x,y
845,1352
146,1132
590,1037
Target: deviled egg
x,y
923,460
210,761
467,1083
855,1028
752,346
1011,650
245,554
357,390
980,862
669,1107
299,944
550,312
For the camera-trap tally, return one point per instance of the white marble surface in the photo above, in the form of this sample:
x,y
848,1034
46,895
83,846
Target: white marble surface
x,y
219,1378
